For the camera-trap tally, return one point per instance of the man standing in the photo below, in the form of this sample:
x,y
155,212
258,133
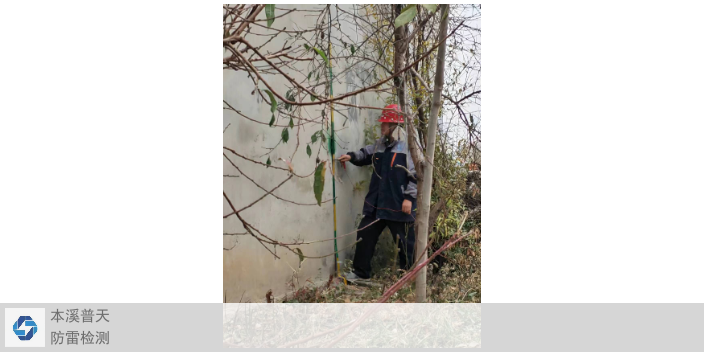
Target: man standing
x,y
391,198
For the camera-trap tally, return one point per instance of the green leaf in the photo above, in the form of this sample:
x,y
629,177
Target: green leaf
x,y
274,104
287,106
409,12
301,257
271,123
312,97
269,10
322,136
309,73
319,182
268,162
352,49
317,76
314,137
290,123
308,151
284,134
322,54
431,8
306,46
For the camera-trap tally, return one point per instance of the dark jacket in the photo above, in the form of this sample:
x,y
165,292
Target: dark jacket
x,y
389,185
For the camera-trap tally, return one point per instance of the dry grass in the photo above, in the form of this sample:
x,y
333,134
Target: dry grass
x,y
454,279
457,280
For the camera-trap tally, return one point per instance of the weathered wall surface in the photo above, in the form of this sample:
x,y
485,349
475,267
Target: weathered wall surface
x,y
249,270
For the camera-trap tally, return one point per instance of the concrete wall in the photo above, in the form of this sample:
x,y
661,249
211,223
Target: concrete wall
x,y
249,270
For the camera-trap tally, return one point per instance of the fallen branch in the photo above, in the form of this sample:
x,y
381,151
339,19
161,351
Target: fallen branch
x,y
400,283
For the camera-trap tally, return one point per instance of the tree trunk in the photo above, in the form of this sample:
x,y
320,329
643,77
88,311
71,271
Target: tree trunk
x,y
400,85
422,123
435,212
426,186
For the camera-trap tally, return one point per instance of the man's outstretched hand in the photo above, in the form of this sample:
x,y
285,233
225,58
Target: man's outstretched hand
x,y
406,207
345,158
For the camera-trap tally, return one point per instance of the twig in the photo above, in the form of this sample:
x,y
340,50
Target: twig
x,y
278,30
261,163
247,226
229,107
407,171
422,82
250,19
340,97
228,200
260,198
468,96
266,19
277,197
330,239
333,253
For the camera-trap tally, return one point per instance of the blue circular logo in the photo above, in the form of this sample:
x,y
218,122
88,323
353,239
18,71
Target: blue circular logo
x,y
30,326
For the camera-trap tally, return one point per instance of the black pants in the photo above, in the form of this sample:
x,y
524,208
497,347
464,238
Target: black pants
x,y
365,249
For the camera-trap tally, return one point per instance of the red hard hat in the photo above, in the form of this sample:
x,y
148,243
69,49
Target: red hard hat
x,y
392,113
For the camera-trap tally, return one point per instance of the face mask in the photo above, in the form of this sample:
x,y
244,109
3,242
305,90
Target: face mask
x,y
390,139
